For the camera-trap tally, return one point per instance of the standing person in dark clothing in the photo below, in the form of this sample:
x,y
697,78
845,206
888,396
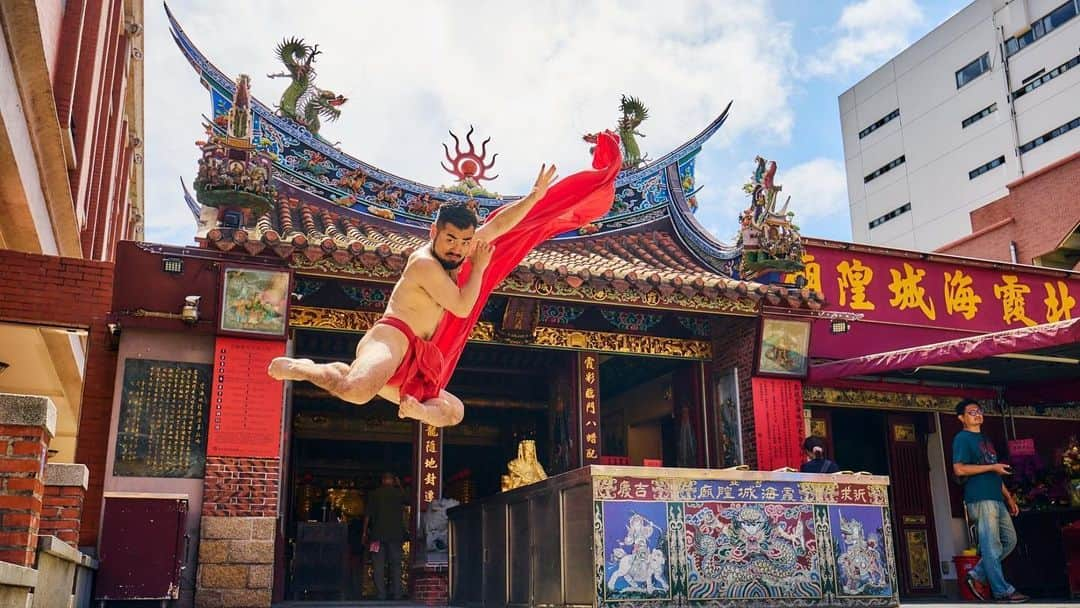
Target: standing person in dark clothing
x,y
814,447
989,504
385,508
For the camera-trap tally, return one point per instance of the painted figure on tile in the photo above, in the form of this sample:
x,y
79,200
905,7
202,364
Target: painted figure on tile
x,y
408,356
860,566
642,568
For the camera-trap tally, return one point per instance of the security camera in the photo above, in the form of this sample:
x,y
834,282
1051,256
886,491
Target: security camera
x,y
114,329
190,312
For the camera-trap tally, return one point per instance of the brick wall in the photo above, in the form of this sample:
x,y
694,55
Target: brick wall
x,y
241,487
27,424
1043,207
50,290
431,585
734,343
62,504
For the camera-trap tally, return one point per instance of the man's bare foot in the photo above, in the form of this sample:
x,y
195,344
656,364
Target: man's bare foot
x,y
410,407
286,368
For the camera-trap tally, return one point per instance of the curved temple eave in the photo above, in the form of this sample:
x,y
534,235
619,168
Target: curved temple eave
x,y
660,194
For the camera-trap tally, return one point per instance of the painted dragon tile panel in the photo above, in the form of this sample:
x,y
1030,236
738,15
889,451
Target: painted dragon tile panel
x,y
751,551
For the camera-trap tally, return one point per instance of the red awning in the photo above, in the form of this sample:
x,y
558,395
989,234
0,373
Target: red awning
x,y
1017,340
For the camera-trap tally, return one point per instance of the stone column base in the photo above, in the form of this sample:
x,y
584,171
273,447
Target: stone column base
x,y
431,584
236,562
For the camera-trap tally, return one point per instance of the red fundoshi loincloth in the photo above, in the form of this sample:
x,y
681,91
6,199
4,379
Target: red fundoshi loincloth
x,y
420,368
573,202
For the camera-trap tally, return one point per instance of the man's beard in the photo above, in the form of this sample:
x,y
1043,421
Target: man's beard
x,y
448,264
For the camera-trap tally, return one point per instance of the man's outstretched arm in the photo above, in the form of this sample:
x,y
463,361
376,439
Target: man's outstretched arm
x,y
514,212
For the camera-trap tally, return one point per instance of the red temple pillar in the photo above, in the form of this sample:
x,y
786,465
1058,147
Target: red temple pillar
x,y
430,580
243,473
588,383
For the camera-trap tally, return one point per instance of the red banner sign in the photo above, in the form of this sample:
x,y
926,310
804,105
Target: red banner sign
x,y
778,422
1021,447
589,381
912,291
246,415
430,479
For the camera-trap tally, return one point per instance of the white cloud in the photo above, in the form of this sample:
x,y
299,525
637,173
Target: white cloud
x,y
532,76
867,34
817,188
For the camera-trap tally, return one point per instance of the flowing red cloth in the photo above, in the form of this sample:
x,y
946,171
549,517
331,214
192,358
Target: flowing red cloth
x,y
420,369
573,202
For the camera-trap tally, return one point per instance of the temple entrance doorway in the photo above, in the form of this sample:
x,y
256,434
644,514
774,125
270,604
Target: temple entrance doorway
x,y
893,444
650,411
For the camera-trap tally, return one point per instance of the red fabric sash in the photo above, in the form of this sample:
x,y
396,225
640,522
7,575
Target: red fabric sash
x,y
573,202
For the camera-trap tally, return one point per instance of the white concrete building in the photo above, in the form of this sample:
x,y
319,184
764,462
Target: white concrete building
x,y
988,96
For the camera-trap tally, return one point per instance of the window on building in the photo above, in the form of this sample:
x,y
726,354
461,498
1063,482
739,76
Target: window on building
x,y
1047,77
880,123
1045,137
1042,27
874,223
883,170
977,171
976,117
973,70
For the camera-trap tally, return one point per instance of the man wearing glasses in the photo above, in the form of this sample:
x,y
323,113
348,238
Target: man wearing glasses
x,y
989,504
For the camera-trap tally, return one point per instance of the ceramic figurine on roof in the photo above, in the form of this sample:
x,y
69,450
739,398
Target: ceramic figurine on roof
x,y
769,239
302,101
232,172
633,114
469,167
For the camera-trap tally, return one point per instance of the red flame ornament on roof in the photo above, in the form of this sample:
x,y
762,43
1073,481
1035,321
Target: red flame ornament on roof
x,y
468,166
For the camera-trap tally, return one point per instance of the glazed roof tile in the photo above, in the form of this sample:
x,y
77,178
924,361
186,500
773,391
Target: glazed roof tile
x,y
646,258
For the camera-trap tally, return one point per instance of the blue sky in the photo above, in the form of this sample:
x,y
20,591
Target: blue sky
x,y
534,76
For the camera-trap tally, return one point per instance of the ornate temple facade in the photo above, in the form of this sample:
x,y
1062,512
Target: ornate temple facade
x,y
637,341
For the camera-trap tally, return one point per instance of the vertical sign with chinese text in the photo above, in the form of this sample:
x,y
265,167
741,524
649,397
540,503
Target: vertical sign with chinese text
x,y
589,385
778,422
246,403
429,469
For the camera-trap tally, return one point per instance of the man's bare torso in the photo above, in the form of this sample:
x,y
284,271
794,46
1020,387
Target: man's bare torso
x,y
411,303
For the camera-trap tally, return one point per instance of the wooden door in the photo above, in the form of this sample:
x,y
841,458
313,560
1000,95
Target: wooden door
x,y
912,506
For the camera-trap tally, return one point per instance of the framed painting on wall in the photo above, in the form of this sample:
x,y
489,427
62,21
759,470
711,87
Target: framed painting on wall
x,y
255,301
783,348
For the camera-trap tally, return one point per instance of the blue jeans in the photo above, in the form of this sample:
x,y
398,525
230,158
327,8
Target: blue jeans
x,y
997,538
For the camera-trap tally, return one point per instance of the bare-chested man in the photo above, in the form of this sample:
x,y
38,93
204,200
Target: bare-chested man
x,y
392,357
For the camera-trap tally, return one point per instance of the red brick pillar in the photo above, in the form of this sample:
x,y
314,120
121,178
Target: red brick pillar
x,y
734,341
243,472
431,584
62,506
27,424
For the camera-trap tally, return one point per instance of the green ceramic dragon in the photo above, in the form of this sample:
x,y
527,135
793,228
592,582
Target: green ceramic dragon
x,y
302,101
633,114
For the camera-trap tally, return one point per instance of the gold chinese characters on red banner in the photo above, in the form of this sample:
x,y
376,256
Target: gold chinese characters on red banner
x,y
937,293
589,383
778,422
245,407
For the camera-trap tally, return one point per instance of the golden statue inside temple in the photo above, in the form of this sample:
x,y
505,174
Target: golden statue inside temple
x,y
525,469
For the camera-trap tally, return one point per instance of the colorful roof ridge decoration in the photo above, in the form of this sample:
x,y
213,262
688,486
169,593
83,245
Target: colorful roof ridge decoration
x,y
309,163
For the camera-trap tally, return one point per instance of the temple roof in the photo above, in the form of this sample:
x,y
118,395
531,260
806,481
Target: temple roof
x,y
648,250
645,264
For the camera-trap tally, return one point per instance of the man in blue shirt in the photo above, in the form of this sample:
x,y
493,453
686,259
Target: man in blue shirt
x,y
989,504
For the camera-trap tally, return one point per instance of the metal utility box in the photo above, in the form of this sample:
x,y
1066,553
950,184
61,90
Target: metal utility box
x,y
142,546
